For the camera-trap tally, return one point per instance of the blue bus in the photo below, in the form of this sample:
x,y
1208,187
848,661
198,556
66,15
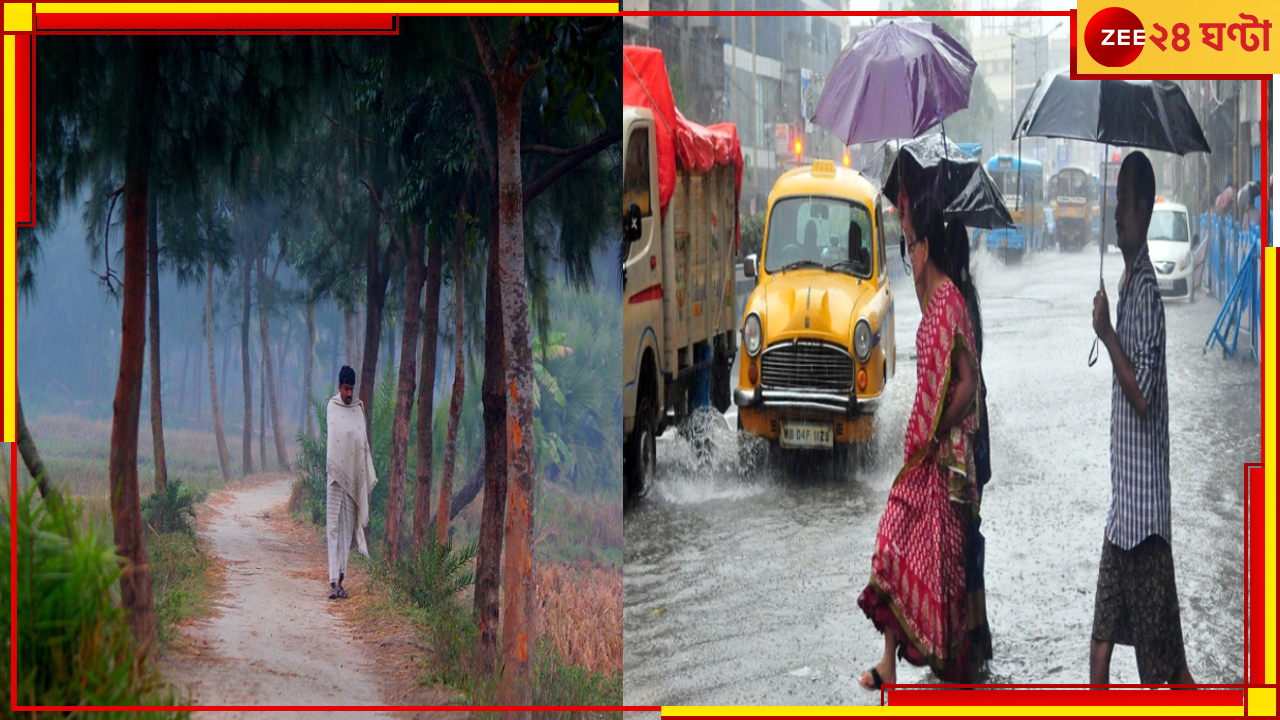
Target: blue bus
x,y
1026,207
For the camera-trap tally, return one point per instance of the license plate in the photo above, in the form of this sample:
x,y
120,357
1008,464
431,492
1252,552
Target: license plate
x,y
1164,284
806,435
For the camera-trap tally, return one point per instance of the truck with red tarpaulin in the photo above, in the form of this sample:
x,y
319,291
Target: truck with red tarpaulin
x,y
681,184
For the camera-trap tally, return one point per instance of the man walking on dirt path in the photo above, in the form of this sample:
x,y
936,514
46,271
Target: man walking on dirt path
x,y
1137,598
351,479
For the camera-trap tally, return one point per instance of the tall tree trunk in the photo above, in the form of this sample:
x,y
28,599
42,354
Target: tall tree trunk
x,y
307,420
153,281
349,322
246,378
27,449
358,356
224,459
338,360
376,297
427,394
264,324
493,507
404,393
518,622
195,379
459,374
390,346
182,384
262,418
226,365
126,511
281,360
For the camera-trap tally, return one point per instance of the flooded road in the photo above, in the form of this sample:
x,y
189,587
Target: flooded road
x,y
744,590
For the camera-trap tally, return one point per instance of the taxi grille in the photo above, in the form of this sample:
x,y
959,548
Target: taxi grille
x,y
806,366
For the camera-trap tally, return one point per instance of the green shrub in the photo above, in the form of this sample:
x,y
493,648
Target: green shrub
x,y
174,510
177,579
430,581
74,646
558,684
436,573
308,499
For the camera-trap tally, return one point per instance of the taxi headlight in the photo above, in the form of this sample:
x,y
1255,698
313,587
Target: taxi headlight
x,y
1184,262
862,340
752,335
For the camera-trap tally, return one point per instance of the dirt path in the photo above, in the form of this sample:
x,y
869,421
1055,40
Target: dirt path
x,y
276,639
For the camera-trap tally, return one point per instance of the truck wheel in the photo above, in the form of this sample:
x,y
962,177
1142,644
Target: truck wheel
x,y
642,454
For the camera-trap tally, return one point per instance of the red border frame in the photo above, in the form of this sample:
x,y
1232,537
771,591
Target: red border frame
x,y
1057,696
25,132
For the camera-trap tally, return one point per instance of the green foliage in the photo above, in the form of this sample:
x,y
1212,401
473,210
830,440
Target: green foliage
x,y
559,684
310,464
73,642
174,510
578,442
431,581
752,235
177,579
436,573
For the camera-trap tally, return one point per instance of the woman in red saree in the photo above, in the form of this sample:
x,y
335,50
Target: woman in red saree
x,y
917,594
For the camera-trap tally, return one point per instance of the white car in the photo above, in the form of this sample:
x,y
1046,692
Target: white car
x,y
1169,241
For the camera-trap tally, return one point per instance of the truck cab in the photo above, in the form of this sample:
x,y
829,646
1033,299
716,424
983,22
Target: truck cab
x,y
642,389
678,319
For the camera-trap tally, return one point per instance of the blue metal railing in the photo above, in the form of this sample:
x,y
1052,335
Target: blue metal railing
x,y
1233,274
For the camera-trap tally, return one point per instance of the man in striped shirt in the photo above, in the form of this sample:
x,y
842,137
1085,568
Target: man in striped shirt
x,y
1137,598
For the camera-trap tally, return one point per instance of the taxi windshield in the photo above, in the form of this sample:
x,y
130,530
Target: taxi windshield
x,y
819,232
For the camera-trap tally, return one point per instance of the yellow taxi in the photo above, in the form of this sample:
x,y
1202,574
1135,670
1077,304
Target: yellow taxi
x,y
817,330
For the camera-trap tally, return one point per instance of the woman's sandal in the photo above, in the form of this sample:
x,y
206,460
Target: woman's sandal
x,y
875,677
342,592
333,592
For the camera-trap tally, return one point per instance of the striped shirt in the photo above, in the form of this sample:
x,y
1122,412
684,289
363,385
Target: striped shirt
x,y
1140,446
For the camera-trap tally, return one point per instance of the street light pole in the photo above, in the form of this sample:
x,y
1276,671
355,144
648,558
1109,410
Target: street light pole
x,y
1012,97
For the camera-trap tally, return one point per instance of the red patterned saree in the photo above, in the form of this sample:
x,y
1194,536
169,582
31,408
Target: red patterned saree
x,y
917,586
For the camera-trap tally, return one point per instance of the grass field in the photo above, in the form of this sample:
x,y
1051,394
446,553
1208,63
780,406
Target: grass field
x,y
76,452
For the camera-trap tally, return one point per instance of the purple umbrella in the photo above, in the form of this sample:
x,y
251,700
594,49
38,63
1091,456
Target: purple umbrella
x,y
896,80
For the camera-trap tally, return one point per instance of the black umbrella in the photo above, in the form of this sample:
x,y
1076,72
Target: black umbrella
x,y
964,187
1151,114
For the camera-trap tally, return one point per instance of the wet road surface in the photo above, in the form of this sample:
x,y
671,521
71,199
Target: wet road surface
x,y
743,590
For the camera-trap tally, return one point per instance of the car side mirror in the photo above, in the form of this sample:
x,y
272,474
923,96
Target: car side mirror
x,y
631,224
749,266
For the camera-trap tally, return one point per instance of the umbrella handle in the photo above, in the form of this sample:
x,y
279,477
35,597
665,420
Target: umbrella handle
x,y
1102,240
946,167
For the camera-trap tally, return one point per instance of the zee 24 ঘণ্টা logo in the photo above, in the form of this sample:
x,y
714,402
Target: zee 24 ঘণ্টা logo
x,y
1115,36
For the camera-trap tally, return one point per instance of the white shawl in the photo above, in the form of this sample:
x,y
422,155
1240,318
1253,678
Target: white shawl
x,y
349,460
